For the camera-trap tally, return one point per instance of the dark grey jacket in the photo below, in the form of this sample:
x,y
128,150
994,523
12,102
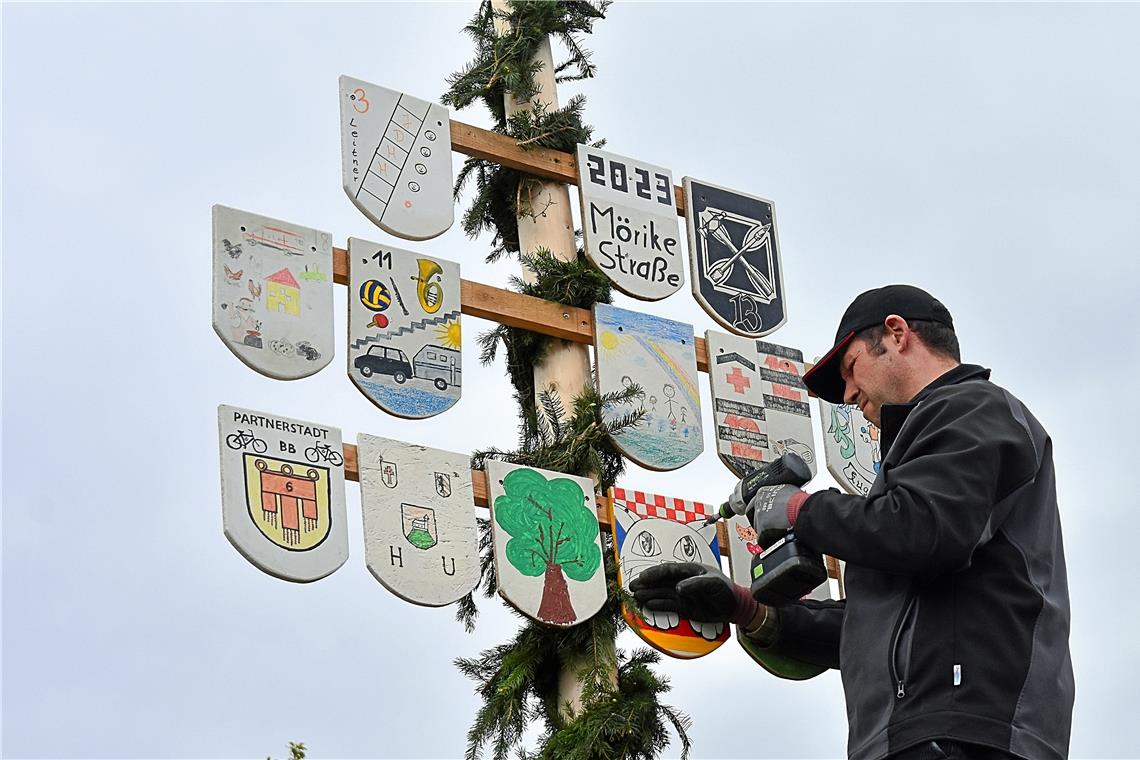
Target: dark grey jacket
x,y
956,622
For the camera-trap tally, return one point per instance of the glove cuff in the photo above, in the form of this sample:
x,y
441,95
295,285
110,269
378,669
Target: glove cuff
x,y
746,606
795,504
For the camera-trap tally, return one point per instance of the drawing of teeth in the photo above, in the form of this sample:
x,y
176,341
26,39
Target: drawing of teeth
x,y
661,619
709,631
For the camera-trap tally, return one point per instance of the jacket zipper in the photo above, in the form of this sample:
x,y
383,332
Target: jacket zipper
x,y
898,676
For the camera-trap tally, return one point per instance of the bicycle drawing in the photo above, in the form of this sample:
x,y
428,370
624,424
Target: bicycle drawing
x,y
243,438
323,452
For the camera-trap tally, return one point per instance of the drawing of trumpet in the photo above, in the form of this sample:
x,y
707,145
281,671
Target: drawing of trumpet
x,y
429,291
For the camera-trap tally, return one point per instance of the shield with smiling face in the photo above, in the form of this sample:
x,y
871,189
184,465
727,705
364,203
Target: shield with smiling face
x,y
649,530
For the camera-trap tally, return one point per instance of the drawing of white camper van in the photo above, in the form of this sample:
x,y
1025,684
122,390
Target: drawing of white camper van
x,y
439,365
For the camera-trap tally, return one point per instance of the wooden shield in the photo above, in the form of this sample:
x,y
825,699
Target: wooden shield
x,y
273,293
419,520
283,493
404,338
735,258
629,223
396,159
649,530
760,403
851,446
742,547
658,355
548,548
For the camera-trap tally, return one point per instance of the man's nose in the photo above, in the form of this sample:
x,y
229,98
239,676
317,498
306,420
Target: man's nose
x,y
850,392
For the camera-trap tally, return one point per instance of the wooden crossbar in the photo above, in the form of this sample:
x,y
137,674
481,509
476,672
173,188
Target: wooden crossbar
x,y
483,499
543,163
526,312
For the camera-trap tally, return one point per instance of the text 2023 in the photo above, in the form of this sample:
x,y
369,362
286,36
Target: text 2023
x,y
617,178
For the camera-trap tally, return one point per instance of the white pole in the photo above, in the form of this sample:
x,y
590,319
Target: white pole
x,y
545,221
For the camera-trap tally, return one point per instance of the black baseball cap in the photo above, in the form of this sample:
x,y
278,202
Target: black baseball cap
x,y
868,310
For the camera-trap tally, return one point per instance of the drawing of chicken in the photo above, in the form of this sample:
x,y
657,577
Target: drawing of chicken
x,y
254,290
231,275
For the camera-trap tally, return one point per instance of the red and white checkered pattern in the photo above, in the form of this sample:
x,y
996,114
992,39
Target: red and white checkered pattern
x,y
654,505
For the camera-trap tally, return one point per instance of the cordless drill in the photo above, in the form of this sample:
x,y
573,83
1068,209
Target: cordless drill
x,y
787,570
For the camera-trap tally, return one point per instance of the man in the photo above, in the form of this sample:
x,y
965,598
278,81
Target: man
x,y
953,640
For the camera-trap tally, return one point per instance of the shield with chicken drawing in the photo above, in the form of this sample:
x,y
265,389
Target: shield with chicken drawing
x,y
273,293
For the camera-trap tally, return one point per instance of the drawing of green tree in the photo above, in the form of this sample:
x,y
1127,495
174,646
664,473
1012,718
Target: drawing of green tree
x,y
553,533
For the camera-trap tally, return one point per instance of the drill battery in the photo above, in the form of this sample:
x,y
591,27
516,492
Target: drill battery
x,y
785,572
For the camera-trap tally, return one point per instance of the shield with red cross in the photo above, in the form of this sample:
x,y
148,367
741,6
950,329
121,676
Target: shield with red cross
x,y
651,529
760,403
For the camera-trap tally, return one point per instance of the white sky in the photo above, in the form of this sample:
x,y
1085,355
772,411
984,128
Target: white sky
x,y
987,153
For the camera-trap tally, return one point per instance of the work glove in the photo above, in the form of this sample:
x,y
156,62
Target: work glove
x,y
773,511
694,592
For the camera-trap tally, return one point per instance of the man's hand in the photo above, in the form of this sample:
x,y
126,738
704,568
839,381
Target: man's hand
x,y
693,591
773,512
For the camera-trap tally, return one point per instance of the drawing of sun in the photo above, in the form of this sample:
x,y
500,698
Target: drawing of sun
x,y
609,340
449,334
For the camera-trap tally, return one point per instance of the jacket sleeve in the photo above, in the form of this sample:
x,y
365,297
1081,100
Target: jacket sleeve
x,y
809,632
940,501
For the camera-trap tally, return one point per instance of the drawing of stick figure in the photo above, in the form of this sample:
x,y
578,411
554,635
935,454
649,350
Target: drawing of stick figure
x,y
669,392
627,384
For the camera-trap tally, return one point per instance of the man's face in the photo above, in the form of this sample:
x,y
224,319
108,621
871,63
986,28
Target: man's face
x,y
871,379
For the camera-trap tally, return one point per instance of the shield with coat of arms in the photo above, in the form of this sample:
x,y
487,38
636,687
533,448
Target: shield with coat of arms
x,y
735,256
283,493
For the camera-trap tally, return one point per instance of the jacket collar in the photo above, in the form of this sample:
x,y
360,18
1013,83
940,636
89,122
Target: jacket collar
x,y
894,415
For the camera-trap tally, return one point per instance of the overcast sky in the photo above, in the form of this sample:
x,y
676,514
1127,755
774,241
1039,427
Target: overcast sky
x,y
988,153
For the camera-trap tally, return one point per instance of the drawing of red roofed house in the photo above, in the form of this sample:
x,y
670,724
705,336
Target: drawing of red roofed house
x,y
284,293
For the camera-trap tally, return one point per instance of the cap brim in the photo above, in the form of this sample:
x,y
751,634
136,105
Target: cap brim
x,y
825,379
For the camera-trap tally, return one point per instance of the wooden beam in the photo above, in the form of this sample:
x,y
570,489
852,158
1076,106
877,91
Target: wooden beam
x,y
482,499
525,312
543,163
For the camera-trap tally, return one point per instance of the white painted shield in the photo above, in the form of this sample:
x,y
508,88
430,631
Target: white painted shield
x,y
419,520
658,355
760,404
283,493
629,223
396,159
273,293
404,339
735,258
851,445
548,549
651,529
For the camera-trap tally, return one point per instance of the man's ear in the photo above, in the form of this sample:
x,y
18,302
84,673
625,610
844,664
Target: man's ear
x,y
898,331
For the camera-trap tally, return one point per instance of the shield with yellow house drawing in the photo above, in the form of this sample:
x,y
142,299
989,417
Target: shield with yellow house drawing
x,y
273,303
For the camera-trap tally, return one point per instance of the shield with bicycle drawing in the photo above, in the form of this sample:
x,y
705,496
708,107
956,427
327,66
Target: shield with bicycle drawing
x,y
283,493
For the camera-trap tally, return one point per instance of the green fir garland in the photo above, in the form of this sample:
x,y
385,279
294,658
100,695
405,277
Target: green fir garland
x,y
622,715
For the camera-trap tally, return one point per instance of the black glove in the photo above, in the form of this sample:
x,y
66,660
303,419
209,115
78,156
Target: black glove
x,y
772,512
693,591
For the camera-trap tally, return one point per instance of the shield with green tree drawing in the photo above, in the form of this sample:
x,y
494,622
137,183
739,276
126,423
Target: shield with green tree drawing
x,y
548,551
